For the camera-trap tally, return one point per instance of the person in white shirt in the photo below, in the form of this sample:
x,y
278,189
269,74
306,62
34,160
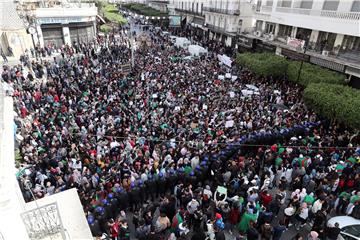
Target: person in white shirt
x,y
317,206
302,216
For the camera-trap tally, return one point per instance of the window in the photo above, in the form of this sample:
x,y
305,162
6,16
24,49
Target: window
x,y
284,3
259,25
331,5
240,24
352,230
201,9
355,6
307,4
269,3
258,6
197,7
270,28
284,31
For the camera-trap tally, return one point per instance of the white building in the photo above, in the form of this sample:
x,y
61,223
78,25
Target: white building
x,y
222,18
192,12
329,30
216,19
60,22
161,5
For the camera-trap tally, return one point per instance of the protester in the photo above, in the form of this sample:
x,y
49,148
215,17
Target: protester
x,y
177,126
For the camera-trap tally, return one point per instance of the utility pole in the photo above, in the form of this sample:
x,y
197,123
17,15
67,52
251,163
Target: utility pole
x,y
302,61
132,44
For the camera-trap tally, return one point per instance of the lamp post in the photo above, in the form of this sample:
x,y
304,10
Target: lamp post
x,y
29,21
302,61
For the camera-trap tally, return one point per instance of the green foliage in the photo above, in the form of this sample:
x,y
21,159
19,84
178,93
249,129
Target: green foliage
x,y
105,28
142,9
335,102
114,17
110,8
110,12
312,74
263,64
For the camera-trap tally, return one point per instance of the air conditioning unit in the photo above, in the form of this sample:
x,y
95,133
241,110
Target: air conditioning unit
x,y
258,33
271,37
325,53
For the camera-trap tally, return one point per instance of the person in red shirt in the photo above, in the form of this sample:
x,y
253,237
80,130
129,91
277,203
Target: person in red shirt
x,y
266,198
114,228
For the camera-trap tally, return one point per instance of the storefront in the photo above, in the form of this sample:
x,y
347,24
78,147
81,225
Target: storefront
x,y
65,30
81,33
245,44
52,34
262,46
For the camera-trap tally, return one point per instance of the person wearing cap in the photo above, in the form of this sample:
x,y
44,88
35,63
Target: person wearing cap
x,y
191,207
313,235
134,196
332,232
94,226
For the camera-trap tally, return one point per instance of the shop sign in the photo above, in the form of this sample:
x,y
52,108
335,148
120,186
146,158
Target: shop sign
x,y
295,43
64,20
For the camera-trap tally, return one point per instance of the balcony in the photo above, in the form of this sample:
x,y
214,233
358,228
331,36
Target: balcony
x,y
355,16
190,12
159,1
223,11
266,9
221,30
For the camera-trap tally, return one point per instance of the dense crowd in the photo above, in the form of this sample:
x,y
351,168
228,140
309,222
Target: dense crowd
x,y
181,144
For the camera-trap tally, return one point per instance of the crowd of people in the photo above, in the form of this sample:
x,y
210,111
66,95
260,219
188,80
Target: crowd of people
x,y
190,148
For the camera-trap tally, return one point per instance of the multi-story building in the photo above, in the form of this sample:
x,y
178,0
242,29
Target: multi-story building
x,y
59,22
13,37
328,31
221,19
192,12
161,5
214,19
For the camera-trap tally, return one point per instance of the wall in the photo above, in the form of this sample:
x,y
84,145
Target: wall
x,y
11,200
71,211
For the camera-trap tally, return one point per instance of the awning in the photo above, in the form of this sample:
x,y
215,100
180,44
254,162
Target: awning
x,y
101,19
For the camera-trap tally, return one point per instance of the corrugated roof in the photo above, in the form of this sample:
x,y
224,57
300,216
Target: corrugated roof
x,y
9,18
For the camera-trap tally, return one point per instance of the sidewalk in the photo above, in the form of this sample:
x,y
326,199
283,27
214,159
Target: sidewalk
x,y
12,61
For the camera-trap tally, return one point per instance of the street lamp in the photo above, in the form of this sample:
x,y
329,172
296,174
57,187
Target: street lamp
x,y
302,61
29,21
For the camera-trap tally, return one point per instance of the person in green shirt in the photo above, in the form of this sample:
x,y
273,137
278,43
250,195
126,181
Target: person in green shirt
x,y
248,216
309,199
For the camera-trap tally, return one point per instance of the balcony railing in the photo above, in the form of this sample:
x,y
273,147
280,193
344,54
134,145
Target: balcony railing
x,y
189,12
219,29
266,9
221,10
321,13
159,1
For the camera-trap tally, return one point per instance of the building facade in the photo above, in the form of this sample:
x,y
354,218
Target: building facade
x,y
221,19
58,22
323,32
14,39
160,5
215,19
193,14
